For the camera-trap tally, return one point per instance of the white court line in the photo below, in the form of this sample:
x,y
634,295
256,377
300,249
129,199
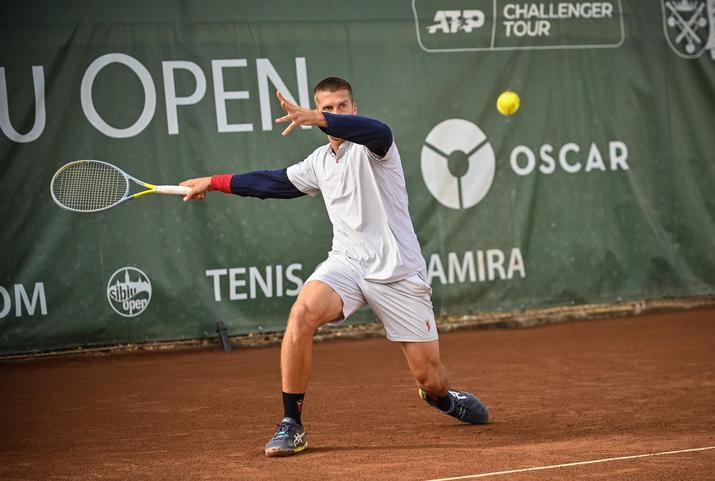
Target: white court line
x,y
554,466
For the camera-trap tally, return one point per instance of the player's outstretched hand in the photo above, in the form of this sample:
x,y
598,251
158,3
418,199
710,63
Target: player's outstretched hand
x,y
298,115
199,187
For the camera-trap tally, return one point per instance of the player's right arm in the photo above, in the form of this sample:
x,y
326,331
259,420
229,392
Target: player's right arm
x,y
264,184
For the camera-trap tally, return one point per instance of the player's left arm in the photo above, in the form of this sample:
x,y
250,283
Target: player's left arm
x,y
371,133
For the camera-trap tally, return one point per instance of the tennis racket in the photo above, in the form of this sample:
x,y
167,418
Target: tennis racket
x,y
93,186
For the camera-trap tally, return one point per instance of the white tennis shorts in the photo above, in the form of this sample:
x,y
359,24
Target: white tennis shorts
x,y
404,307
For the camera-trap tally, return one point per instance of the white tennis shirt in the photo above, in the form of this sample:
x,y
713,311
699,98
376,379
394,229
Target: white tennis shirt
x,y
366,199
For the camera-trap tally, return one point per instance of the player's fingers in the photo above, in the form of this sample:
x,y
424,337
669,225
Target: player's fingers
x,y
188,183
281,99
285,118
288,107
195,192
290,128
286,104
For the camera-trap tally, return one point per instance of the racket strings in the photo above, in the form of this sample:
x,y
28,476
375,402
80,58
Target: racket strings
x,y
89,186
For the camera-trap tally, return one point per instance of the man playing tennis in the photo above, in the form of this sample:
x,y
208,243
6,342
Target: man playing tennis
x,y
375,257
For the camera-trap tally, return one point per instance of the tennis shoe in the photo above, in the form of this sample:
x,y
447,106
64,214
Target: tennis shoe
x,y
464,406
289,439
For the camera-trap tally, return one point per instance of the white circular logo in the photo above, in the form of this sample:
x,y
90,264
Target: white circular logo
x,y
458,163
129,291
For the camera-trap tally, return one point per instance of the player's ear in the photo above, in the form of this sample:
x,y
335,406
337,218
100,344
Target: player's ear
x,y
355,109
315,99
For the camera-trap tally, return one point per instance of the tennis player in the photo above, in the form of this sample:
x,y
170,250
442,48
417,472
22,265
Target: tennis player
x,y
375,257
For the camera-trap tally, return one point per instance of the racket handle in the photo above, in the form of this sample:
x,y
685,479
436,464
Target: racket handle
x,y
172,189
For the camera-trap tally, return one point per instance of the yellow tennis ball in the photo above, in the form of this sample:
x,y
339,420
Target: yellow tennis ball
x,y
508,102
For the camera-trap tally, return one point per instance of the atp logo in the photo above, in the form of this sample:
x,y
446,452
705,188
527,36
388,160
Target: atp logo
x,y
458,163
129,291
492,25
453,21
443,25
689,26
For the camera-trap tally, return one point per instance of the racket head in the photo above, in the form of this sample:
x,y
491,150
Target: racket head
x,y
89,186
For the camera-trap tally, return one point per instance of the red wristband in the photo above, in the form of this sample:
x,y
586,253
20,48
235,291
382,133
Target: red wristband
x,y
221,182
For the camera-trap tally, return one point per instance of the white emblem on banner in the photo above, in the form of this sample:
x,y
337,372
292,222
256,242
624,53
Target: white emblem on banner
x,y
453,21
458,163
129,291
690,26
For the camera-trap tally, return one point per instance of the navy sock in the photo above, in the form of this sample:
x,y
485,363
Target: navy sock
x,y
293,406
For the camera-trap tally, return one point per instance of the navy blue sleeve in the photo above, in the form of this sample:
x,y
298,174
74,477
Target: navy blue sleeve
x,y
265,184
371,133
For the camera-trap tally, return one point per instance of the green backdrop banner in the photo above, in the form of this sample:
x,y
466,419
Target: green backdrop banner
x,y
598,190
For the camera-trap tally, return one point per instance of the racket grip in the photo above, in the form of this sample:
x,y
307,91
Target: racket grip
x,y
172,189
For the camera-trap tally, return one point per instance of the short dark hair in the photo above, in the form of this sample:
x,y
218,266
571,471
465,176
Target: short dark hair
x,y
332,84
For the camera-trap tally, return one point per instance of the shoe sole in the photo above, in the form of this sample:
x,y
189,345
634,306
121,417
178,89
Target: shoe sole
x,y
282,453
488,421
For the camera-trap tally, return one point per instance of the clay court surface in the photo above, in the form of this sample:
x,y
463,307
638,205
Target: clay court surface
x,y
562,393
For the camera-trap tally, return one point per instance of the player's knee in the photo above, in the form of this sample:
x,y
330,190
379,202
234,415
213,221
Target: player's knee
x,y
303,319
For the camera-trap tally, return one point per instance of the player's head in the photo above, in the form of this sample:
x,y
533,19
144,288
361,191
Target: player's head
x,y
335,95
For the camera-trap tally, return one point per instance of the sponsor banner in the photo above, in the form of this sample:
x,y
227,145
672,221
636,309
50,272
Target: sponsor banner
x,y
597,190
18,302
483,25
456,143
457,139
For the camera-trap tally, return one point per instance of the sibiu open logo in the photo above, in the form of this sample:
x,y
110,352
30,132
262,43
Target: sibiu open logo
x,y
129,291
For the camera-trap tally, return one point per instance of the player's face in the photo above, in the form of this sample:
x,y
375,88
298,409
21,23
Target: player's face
x,y
338,102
